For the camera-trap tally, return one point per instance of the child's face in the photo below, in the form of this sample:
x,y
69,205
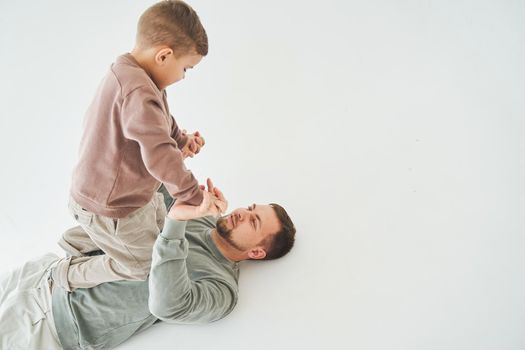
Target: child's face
x,y
174,68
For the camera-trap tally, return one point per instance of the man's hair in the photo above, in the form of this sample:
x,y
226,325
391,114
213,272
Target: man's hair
x,y
280,243
175,24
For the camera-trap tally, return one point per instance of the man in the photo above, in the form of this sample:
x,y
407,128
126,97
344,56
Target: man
x,y
193,279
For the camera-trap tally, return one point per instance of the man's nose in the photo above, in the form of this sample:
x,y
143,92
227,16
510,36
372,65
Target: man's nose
x,y
241,215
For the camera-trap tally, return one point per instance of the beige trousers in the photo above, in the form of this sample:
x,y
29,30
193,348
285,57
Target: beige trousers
x,y
127,244
26,320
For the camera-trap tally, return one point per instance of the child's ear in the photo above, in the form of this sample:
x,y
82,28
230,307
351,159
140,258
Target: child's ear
x,y
162,55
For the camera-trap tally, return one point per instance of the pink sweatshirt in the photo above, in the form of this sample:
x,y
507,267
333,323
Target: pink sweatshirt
x,y
130,144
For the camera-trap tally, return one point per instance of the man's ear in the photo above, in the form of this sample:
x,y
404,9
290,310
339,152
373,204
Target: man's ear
x,y
162,55
257,253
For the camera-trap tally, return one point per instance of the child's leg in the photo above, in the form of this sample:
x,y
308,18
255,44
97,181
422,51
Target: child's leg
x,y
26,319
127,242
76,242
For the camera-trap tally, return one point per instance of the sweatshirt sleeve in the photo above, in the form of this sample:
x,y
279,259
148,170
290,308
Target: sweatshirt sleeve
x,y
174,297
144,121
176,133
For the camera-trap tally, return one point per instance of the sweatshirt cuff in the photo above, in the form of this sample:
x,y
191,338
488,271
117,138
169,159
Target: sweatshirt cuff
x,y
181,142
197,198
173,229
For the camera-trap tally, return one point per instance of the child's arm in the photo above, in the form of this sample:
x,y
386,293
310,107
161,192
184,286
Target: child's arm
x,y
189,144
144,121
193,145
178,134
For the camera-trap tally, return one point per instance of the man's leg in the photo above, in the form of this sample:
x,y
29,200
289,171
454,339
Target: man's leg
x,y
26,319
127,244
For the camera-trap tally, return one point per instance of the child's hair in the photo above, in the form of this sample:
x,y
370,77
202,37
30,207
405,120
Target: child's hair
x,y
175,24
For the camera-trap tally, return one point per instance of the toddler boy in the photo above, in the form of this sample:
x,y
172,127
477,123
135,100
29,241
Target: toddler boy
x,y
130,146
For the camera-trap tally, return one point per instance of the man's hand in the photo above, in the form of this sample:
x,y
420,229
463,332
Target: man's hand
x,y
219,201
213,203
194,144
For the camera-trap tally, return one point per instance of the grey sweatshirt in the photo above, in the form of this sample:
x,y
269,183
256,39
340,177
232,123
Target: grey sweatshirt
x,y
190,282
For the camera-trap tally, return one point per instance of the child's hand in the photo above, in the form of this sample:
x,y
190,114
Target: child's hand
x,y
194,144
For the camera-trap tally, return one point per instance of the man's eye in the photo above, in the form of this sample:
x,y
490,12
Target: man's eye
x,y
184,70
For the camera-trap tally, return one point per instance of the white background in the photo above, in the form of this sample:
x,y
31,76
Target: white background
x,y
392,131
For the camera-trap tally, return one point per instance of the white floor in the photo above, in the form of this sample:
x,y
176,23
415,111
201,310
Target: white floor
x,y
391,130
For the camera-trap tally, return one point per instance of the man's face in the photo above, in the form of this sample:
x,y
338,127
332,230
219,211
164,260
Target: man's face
x,y
246,228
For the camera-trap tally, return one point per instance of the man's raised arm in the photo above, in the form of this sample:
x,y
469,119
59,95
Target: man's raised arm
x,y
174,297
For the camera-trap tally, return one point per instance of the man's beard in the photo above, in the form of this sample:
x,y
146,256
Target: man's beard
x,y
225,233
